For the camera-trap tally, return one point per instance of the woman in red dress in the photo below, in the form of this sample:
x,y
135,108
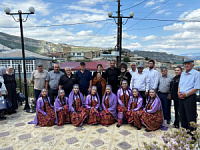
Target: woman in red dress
x,y
92,103
134,108
62,109
109,104
77,107
45,115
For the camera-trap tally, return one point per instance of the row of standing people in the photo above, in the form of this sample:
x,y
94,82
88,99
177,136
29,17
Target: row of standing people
x,y
127,106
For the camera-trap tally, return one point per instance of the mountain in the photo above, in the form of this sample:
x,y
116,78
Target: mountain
x,y
159,56
195,56
38,46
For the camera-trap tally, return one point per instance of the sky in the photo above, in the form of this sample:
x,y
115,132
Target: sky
x,y
171,26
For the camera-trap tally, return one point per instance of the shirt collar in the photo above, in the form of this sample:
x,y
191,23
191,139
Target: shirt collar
x,y
190,72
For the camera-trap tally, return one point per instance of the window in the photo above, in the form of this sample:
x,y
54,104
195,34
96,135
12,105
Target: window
x,y
15,65
78,53
29,66
5,63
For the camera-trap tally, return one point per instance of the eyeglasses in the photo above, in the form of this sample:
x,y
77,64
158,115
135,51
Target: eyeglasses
x,y
40,66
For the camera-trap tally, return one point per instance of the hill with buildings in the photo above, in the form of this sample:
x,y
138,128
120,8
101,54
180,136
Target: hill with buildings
x,y
159,56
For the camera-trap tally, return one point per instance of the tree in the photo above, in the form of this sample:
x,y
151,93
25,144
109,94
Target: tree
x,y
126,59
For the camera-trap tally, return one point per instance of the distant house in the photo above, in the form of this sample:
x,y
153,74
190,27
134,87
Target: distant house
x,y
14,58
77,54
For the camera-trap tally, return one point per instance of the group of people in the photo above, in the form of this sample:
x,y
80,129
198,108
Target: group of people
x,y
8,90
138,96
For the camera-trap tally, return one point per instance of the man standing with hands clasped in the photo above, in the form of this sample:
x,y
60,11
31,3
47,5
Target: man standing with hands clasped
x,y
188,86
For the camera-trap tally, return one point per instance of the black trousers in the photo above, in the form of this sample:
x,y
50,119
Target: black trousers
x,y
188,111
142,93
52,95
177,112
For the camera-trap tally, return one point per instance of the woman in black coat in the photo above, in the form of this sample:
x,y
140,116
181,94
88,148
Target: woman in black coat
x,y
10,83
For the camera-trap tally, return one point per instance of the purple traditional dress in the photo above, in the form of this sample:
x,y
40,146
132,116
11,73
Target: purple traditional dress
x,y
92,103
152,115
109,105
134,108
123,97
77,107
62,110
45,115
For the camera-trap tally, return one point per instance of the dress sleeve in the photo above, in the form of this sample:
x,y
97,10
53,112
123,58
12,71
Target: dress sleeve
x,y
87,102
114,106
39,107
118,98
140,102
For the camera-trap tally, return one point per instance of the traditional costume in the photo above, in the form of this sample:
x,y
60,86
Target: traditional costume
x,y
92,103
134,108
123,97
45,115
152,115
109,104
77,107
62,109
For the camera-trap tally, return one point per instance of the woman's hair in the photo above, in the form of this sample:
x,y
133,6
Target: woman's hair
x,y
179,68
99,65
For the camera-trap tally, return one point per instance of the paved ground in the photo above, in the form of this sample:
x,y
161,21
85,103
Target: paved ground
x,y
17,134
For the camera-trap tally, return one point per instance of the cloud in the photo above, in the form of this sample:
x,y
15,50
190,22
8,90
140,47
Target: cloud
x,y
148,38
86,9
92,2
150,3
179,5
160,11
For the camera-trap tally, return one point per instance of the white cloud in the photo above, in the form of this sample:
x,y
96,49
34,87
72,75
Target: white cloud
x,y
160,11
179,5
150,3
92,2
86,9
148,38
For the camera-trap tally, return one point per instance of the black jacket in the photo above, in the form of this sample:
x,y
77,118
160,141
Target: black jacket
x,y
174,87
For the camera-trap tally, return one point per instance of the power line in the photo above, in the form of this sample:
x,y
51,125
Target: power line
x,y
58,25
134,5
150,13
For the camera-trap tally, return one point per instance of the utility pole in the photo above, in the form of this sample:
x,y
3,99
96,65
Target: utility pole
x,y
119,30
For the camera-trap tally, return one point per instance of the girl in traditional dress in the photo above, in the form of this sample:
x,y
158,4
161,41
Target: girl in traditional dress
x,y
92,103
109,104
77,107
62,109
152,116
45,115
124,95
134,108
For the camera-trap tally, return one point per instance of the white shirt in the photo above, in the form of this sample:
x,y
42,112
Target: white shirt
x,y
132,74
3,87
153,76
140,81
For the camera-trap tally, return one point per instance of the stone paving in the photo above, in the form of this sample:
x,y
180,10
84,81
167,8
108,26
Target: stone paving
x,y
17,134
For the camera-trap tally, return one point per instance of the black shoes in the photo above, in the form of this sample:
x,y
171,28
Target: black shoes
x,y
168,121
147,130
118,125
138,128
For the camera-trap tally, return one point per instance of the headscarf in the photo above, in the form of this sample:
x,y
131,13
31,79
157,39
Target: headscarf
x,y
162,127
71,96
128,88
7,70
111,93
97,95
2,70
139,96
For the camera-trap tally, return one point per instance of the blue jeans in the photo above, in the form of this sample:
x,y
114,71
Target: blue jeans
x,y
166,105
37,93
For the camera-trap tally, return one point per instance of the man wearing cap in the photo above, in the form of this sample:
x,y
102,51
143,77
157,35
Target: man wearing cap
x,y
112,74
38,79
84,77
188,86
52,82
140,81
163,91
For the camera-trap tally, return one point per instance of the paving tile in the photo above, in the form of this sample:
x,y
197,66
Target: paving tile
x,y
97,142
124,132
48,138
101,130
79,129
72,140
3,122
15,116
2,134
124,145
20,124
25,136
149,135
7,148
58,127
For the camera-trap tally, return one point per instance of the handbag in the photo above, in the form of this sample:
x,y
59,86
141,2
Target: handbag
x,y
8,103
3,104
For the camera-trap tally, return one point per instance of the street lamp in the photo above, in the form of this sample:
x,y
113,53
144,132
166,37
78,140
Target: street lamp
x,y
119,29
20,20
